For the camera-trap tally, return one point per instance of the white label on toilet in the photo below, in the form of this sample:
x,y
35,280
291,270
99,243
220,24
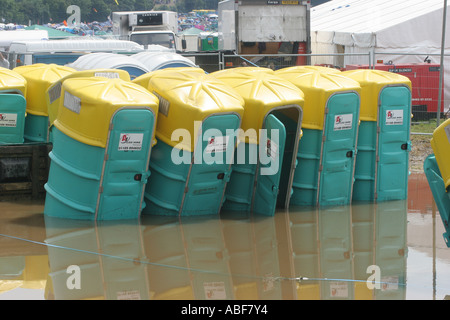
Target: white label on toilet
x,y
394,117
217,144
164,104
215,290
272,149
72,102
343,121
8,120
447,131
54,92
109,75
130,141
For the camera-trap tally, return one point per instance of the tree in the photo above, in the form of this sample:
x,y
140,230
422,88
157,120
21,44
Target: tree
x,y
144,5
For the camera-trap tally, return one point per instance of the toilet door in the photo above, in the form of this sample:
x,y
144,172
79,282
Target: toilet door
x,y
338,155
393,143
271,151
126,166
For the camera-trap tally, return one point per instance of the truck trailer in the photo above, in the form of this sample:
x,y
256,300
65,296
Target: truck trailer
x,y
265,27
147,27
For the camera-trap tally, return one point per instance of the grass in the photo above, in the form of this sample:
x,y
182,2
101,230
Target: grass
x,y
425,126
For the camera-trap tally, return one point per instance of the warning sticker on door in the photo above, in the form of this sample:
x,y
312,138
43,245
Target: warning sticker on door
x,y
338,289
214,290
343,121
8,120
131,141
394,117
271,149
217,144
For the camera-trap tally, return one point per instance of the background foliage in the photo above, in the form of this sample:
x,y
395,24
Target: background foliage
x,y
54,11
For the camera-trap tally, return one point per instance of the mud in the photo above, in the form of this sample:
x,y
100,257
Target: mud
x,y
420,149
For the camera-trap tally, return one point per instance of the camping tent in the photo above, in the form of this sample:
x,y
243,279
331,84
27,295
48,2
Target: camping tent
x,y
401,31
191,37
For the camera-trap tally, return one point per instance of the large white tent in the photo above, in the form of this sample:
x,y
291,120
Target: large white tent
x,y
400,31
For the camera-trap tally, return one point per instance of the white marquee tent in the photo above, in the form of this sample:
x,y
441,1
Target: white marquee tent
x,y
401,31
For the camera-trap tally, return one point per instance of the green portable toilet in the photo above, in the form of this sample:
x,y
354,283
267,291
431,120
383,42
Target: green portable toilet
x,y
208,41
102,140
382,162
326,152
39,78
265,160
196,138
13,88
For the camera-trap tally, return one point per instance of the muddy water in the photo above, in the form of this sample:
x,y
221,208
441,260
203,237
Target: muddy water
x,y
303,253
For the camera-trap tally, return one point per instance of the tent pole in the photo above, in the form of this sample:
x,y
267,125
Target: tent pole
x,y
441,67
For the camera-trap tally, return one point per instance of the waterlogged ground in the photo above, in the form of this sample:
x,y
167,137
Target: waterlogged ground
x,y
297,254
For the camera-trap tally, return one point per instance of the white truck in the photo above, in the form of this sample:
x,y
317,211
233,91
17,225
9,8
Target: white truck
x,y
264,26
147,27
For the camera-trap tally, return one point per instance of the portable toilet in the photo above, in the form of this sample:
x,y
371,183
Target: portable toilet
x,y
107,60
13,89
382,161
101,150
208,41
437,170
191,162
265,160
161,60
326,152
53,93
39,78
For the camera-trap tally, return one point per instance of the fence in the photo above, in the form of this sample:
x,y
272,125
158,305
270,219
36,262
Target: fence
x,y
419,67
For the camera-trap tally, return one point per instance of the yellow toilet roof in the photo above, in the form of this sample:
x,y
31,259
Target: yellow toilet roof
x,y
88,105
262,91
54,91
187,95
39,78
13,82
144,79
372,82
318,87
312,68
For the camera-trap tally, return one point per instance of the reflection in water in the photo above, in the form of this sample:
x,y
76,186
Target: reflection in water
x,y
303,253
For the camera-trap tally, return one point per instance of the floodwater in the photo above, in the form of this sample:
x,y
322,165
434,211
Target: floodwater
x,y
391,250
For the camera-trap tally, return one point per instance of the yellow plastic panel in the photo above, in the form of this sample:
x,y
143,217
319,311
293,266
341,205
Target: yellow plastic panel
x,y
372,82
12,82
315,68
144,79
440,142
262,91
317,86
88,105
187,95
39,78
54,91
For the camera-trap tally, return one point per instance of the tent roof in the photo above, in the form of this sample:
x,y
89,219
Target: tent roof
x,y
192,31
381,23
52,33
368,16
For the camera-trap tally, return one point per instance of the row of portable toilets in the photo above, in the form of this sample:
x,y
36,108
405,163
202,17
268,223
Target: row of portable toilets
x,y
179,141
